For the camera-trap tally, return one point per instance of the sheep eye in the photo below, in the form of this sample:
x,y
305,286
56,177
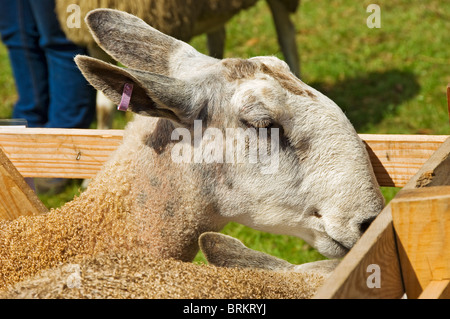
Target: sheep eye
x,y
265,123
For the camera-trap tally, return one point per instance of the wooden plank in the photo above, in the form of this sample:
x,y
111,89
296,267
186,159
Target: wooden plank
x,y
433,173
422,223
64,153
349,278
81,153
396,158
437,290
16,197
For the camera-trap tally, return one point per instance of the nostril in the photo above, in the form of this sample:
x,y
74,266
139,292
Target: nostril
x,y
365,224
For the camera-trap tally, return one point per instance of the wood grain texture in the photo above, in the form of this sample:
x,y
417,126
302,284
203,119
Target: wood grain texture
x,y
437,290
16,197
82,153
435,172
396,158
64,153
422,223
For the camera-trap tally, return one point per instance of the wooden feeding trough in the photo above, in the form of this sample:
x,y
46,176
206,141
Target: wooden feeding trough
x,y
407,246
409,242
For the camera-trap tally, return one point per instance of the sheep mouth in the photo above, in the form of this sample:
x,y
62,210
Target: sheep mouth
x,y
330,247
337,250
341,246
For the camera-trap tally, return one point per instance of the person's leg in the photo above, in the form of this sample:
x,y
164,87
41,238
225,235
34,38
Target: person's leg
x,y
72,99
20,35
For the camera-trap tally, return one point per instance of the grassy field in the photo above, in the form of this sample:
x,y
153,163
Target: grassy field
x,y
387,80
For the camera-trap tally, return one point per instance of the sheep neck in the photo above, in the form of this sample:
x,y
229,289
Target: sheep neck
x,y
169,210
138,201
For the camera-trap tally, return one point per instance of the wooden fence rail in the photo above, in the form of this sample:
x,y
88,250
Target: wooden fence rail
x,y
65,153
71,153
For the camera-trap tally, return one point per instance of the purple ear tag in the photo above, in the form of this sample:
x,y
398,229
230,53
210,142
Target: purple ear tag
x,y
126,97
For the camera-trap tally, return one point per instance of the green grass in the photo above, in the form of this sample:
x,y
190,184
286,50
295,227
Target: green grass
x,y
54,201
390,80
8,93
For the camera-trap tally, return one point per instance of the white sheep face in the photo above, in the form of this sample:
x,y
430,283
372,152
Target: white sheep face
x,y
323,189
316,182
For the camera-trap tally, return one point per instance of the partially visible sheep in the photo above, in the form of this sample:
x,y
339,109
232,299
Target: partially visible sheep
x,y
98,220
123,208
242,273
225,251
182,19
135,275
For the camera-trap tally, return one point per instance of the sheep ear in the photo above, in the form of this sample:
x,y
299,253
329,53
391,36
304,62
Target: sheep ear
x,y
225,251
137,45
153,94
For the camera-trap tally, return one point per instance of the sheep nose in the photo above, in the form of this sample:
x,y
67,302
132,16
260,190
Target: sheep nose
x,y
365,224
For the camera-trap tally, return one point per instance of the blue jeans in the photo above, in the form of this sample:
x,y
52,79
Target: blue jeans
x,y
52,91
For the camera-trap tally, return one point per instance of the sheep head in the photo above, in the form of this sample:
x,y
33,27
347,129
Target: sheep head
x,y
301,168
